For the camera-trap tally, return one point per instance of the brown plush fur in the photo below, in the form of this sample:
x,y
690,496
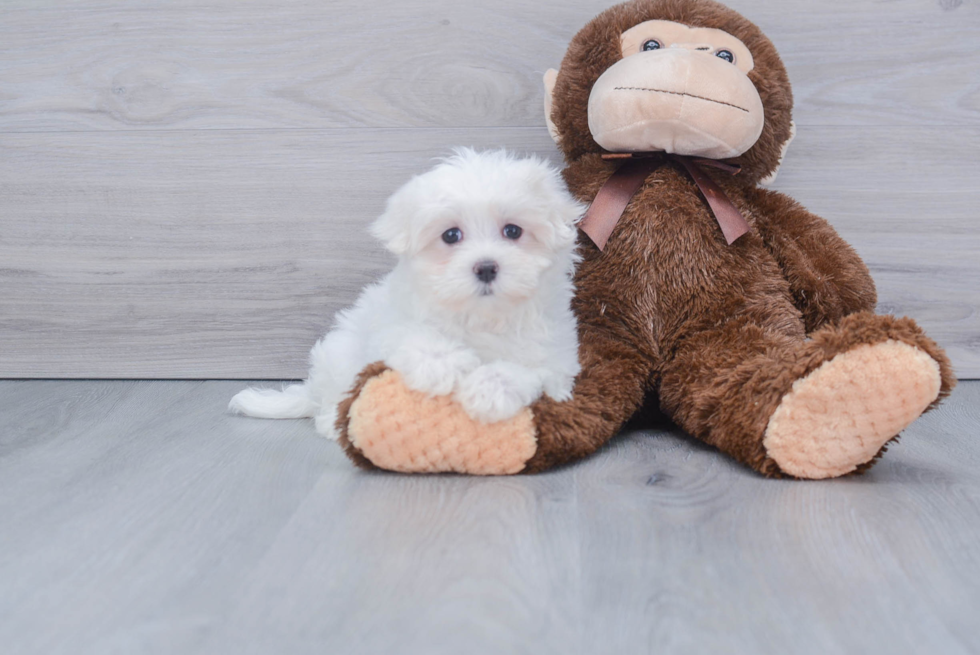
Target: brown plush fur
x,y
597,47
343,413
720,333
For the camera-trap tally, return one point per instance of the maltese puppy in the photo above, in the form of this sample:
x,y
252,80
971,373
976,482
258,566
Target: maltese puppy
x,y
478,305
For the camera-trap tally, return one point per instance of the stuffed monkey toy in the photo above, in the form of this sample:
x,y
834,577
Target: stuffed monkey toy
x,y
747,316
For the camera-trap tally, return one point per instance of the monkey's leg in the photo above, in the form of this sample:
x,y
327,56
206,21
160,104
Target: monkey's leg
x,y
384,424
610,389
812,409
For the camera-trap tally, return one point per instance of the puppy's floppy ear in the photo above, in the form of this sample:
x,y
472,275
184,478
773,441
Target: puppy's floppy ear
x,y
394,227
565,215
563,211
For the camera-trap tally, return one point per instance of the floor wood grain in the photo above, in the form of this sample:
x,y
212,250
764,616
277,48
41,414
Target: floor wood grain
x,y
185,186
138,517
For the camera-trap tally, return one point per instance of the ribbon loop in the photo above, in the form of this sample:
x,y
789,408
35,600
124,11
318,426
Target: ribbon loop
x,y
611,201
615,195
730,219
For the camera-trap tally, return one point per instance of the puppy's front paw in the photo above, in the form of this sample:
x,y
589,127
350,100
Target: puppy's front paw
x,y
432,367
496,392
557,386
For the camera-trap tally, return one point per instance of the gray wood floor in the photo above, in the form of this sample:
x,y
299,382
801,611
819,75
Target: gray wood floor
x,y
138,517
185,186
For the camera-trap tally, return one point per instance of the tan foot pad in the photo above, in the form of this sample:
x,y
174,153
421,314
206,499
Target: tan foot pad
x,y
402,430
840,415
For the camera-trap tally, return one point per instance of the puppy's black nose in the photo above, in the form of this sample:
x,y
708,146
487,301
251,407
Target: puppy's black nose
x,y
486,271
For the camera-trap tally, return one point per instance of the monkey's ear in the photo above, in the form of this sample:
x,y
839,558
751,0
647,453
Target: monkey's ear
x,y
769,179
550,77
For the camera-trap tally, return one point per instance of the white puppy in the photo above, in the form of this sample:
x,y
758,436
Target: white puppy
x,y
477,306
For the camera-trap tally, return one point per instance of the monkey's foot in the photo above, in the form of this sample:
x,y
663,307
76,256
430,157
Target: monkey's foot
x,y
841,415
392,427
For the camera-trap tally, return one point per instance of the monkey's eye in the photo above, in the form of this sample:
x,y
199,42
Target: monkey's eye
x,y
652,44
726,55
512,231
452,235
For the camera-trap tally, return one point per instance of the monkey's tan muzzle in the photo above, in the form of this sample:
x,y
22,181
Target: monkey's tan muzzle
x,y
676,100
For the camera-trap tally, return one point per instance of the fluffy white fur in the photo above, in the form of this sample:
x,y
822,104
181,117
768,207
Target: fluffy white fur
x,y
495,346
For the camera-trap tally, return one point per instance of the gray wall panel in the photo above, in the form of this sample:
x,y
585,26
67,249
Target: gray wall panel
x,y
184,187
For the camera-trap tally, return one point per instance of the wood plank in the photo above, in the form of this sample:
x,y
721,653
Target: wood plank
x,y
143,274
129,519
137,253
140,517
855,565
418,565
195,255
224,64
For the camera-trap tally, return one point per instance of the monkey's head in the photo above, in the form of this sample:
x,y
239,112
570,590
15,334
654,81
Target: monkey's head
x,y
688,77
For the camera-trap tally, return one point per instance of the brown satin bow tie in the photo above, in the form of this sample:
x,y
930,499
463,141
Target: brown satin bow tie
x,y
612,199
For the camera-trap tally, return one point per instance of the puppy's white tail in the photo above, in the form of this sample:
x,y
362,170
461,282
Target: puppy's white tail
x,y
292,402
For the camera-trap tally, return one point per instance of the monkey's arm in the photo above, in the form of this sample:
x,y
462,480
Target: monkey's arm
x,y
827,277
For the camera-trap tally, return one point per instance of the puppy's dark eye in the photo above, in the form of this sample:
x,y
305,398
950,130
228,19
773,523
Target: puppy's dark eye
x,y
452,235
512,231
726,55
652,44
